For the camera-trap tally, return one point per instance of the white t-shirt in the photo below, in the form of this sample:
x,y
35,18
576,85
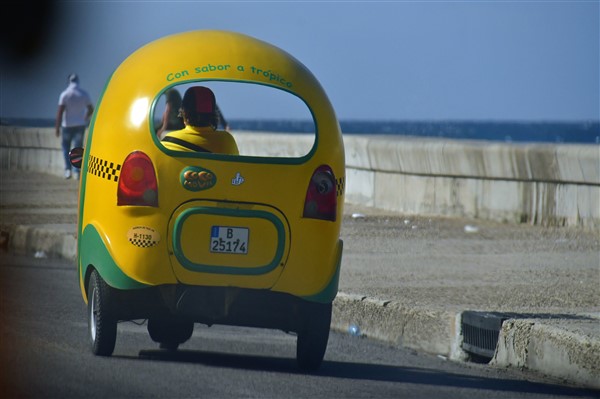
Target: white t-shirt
x,y
76,102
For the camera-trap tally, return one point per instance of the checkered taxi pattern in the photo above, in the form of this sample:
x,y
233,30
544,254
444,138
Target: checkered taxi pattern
x,y
142,242
340,185
104,169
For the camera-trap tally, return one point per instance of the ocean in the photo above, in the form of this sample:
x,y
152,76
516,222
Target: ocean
x,y
585,132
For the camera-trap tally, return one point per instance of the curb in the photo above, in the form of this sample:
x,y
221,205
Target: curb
x,y
523,343
549,349
532,344
431,331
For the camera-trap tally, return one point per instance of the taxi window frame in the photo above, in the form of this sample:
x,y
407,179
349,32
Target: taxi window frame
x,y
228,157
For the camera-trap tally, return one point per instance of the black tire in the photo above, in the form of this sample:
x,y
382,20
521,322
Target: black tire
x,y
102,323
170,333
312,339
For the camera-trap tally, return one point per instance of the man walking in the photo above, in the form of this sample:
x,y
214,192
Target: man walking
x,y
74,112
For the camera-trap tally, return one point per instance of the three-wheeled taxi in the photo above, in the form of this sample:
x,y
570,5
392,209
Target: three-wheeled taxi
x,y
183,237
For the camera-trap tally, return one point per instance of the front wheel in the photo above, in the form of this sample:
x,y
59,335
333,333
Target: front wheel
x,y
313,337
101,320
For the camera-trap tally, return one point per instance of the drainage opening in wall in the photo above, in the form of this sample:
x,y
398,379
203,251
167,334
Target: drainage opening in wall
x,y
480,331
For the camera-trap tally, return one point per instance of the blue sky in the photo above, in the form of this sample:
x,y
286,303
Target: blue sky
x,y
391,60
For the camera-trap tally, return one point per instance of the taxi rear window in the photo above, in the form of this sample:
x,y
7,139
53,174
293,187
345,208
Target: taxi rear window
x,y
264,121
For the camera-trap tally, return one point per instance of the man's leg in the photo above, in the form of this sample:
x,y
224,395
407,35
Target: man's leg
x,y
78,142
67,137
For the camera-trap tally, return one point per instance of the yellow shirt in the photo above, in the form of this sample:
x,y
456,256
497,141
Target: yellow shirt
x,y
216,141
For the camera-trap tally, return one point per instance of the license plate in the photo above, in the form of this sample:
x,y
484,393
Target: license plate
x,y
229,240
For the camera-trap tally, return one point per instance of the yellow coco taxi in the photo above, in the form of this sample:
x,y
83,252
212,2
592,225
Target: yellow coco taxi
x,y
176,236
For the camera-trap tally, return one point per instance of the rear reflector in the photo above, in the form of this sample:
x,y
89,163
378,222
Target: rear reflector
x,y
321,195
137,181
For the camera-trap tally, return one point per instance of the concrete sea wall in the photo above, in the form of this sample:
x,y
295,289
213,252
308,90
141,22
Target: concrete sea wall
x,y
541,184
544,184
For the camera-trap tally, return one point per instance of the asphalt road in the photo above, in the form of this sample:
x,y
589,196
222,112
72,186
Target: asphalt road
x,y
44,353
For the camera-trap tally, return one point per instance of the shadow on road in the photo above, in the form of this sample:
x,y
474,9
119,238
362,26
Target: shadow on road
x,y
364,371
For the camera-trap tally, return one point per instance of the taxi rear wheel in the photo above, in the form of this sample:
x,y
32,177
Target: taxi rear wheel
x,y
101,321
170,333
312,339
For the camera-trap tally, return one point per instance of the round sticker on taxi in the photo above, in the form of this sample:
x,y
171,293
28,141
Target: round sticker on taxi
x,y
143,237
195,178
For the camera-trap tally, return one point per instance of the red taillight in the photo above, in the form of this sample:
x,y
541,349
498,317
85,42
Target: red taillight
x,y
137,181
321,196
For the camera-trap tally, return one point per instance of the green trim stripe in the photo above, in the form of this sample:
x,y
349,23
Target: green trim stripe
x,y
198,267
328,294
93,252
85,168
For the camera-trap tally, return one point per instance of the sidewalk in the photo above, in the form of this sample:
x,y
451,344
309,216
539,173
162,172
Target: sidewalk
x,y
409,280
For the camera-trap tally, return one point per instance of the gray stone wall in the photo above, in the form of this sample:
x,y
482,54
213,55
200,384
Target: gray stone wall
x,y
541,184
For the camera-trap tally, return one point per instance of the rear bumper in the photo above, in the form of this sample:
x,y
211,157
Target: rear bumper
x,y
218,305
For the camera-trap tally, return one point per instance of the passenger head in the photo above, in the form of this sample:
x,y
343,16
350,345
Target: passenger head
x,y
174,98
198,107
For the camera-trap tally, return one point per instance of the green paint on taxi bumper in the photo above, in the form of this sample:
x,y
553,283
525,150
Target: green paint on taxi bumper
x,y
93,252
328,294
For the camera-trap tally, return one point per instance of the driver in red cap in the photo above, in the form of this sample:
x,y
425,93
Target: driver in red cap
x,y
200,134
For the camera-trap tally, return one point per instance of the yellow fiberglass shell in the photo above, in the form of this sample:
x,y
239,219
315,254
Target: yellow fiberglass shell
x,y
140,246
